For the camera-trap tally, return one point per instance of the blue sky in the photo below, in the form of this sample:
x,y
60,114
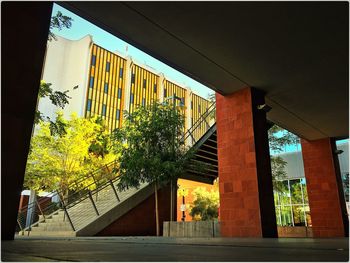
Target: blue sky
x,y
81,27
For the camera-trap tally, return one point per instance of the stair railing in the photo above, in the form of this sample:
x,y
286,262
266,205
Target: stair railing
x,y
194,133
43,208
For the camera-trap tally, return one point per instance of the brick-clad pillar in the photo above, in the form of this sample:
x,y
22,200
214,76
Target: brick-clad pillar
x,y
245,181
324,187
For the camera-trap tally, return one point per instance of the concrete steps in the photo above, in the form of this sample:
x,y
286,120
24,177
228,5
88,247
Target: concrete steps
x,y
83,214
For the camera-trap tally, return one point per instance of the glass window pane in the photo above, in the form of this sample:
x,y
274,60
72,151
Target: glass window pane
x,y
91,82
296,191
298,215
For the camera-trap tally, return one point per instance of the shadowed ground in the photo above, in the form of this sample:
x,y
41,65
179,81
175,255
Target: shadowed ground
x,y
174,249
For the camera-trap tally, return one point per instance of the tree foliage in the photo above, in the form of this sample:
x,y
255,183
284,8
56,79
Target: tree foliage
x,y
57,98
59,21
150,147
57,159
278,139
278,173
206,204
153,151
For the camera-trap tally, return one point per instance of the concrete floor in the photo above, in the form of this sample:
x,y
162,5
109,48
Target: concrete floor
x,y
174,249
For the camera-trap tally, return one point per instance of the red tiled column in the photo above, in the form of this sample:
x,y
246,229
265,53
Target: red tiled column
x,y
245,181
324,187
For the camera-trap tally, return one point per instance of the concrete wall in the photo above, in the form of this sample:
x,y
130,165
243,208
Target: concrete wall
x,y
140,221
191,229
212,229
297,231
66,66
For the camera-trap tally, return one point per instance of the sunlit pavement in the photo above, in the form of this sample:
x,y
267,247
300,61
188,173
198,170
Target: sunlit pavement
x,y
174,249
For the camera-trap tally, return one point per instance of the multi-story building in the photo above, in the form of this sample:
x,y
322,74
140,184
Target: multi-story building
x,y
107,83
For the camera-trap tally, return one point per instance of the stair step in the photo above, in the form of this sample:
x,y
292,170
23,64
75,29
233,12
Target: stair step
x,y
55,224
81,214
51,234
52,228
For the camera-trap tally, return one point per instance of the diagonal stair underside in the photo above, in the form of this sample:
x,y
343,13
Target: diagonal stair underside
x,y
205,157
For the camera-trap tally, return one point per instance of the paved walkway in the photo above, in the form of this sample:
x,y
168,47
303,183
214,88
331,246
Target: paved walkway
x,y
174,249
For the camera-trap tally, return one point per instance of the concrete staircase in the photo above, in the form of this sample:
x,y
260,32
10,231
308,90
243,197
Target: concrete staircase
x,y
83,215
95,211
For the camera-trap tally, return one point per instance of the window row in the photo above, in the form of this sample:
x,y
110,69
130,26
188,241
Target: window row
x,y
104,109
108,66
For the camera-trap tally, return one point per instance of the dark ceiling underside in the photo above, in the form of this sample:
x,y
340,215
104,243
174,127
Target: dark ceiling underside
x,y
297,52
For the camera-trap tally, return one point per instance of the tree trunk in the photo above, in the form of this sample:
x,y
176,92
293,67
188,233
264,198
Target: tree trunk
x,y
156,204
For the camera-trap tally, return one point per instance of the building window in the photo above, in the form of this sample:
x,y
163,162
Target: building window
x,y
164,93
91,81
144,83
118,114
143,101
155,88
89,105
106,87
108,66
133,78
120,72
132,98
93,60
191,105
104,110
199,108
119,93
183,101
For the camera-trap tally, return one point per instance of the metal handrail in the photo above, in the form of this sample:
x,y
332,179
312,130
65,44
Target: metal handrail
x,y
76,183
199,122
53,206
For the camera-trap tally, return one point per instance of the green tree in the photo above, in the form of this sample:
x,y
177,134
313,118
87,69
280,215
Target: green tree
x,y
57,159
206,204
151,150
59,21
278,139
278,173
57,98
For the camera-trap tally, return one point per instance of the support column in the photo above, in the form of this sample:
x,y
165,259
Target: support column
x,y
127,87
188,115
245,181
161,87
324,188
20,85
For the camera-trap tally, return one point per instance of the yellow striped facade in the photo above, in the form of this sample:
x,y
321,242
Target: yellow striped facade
x,y
106,91
171,89
144,87
106,87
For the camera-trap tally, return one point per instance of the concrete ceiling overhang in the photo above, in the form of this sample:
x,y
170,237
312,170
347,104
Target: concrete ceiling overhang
x,y
297,52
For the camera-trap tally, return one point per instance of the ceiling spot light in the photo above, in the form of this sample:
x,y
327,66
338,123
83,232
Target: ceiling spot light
x,y
338,151
264,107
